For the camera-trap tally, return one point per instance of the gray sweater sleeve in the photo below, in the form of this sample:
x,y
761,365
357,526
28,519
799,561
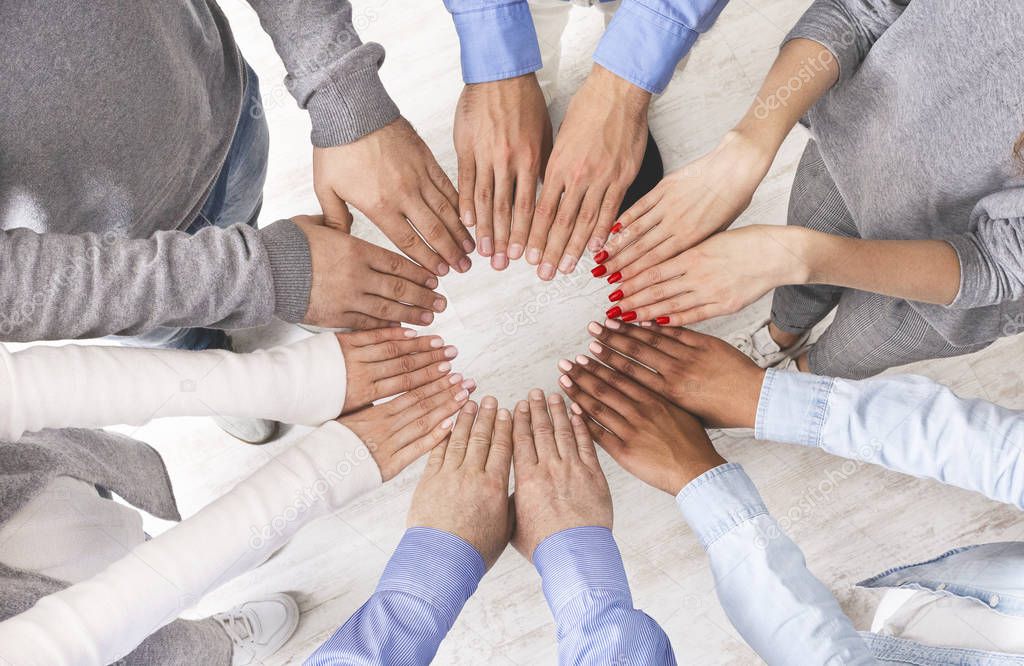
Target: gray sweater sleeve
x,y
58,286
992,253
331,72
847,28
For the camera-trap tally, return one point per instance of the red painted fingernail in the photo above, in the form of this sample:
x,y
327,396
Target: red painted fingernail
x,y
662,321
617,227
615,295
614,312
601,256
629,316
598,271
614,277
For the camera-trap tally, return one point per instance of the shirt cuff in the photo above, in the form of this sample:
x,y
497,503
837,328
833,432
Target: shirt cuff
x,y
719,500
578,561
793,407
291,269
436,566
643,47
497,42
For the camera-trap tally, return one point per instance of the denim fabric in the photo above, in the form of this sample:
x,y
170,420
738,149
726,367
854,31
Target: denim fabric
x,y
892,651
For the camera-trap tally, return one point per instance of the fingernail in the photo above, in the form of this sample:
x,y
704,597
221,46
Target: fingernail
x,y
446,424
613,312
436,343
468,245
582,360
499,261
468,219
486,246
594,245
469,385
629,316
533,256
576,409
564,365
546,272
601,256
409,333
515,250
567,263
662,321
613,324
427,317
465,264
646,324
594,327
596,348
617,227
432,283
439,305
536,394
444,367
598,271
489,401
461,395
615,295
554,398
455,379
442,269
450,351
565,381
614,277
504,415
522,406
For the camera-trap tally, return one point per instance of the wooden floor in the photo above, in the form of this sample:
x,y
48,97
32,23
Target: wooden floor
x,y
511,330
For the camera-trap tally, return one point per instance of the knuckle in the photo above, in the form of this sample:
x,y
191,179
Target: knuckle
x,y
406,241
408,364
391,349
398,287
393,262
484,194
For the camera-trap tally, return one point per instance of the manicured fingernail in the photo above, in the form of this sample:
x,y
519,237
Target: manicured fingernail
x,y
595,347
662,321
598,271
469,407
564,365
515,250
614,312
465,264
629,316
582,360
594,328
436,343
615,295
409,333
536,394
468,245
594,244
546,272
447,423
601,256
455,379
432,283
427,317
444,367
469,385
617,227
576,409
486,246
440,304
567,263
565,381
468,219
442,269
613,324
451,351
499,261
461,395
646,324
614,277
489,402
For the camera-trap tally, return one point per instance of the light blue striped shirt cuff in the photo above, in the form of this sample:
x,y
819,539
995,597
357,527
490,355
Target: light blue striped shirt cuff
x,y
719,500
793,407
580,561
496,37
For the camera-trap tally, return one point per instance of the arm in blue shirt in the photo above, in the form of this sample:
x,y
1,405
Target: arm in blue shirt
x,y
428,580
586,588
782,611
908,424
643,44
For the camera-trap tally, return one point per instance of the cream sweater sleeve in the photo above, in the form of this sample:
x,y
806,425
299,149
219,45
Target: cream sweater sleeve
x,y
102,619
90,386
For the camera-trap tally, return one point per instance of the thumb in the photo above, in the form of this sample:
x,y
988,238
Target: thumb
x,y
336,212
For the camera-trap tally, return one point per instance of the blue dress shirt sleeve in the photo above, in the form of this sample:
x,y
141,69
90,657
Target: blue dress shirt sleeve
x,y
428,580
646,39
782,611
904,423
496,38
586,588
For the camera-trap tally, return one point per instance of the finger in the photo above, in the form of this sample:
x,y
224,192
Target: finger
x,y
584,441
503,185
638,246
678,299
446,208
560,231
404,291
699,314
654,350
362,321
565,439
499,459
336,212
434,231
480,437
373,340
409,363
522,216
630,388
394,348
483,202
524,452
599,400
387,262
657,274
459,440
384,308
543,431
436,458
607,440
642,207
417,446
400,232
605,218
582,230
543,215
411,381
444,184
467,185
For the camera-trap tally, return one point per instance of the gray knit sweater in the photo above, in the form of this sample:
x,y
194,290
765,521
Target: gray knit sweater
x,y
918,135
114,122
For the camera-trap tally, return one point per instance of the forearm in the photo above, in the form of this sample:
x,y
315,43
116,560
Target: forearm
x,y
77,386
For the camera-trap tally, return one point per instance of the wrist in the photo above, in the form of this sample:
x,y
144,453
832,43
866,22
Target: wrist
x,y
694,469
619,90
751,148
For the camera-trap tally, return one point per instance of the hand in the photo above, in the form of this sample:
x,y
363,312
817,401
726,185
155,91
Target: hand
x,y
700,373
722,275
503,139
689,205
357,284
399,431
650,437
559,482
388,361
392,177
597,155
464,489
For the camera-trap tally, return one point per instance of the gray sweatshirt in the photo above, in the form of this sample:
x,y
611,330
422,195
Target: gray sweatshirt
x,y
115,120
918,135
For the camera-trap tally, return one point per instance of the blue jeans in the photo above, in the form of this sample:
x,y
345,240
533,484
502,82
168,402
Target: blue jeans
x,y
236,198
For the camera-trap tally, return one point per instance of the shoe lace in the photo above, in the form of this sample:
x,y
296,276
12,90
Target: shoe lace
x,y
238,627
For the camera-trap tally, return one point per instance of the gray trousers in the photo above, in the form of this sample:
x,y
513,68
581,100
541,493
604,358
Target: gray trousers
x,y
871,332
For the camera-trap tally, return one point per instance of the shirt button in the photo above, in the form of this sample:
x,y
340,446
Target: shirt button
x,y
993,601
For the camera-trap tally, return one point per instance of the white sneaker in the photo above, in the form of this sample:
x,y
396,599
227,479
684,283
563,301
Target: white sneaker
x,y
764,351
259,628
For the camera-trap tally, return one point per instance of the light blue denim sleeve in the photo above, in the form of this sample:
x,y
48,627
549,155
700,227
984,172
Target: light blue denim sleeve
x,y
904,423
586,588
426,583
497,39
646,39
779,608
